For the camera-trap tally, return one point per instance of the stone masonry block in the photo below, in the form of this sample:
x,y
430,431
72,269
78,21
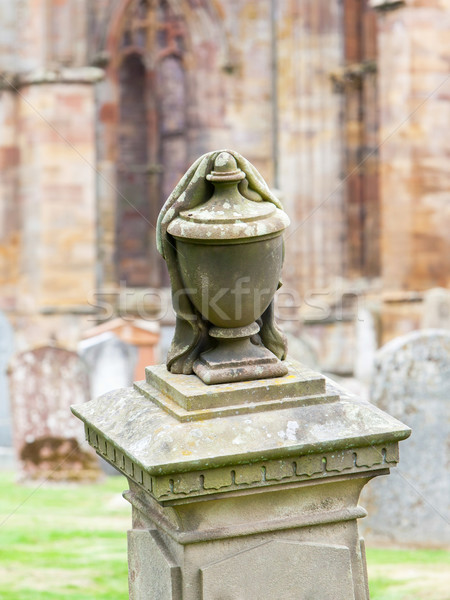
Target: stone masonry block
x,y
279,469
229,578
217,479
309,465
158,578
248,474
186,483
162,486
367,457
392,455
338,461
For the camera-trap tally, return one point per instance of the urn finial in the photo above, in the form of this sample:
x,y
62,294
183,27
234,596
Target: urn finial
x,y
225,169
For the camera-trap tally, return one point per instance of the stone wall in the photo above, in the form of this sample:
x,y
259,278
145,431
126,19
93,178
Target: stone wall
x,y
310,161
276,105
358,83
414,93
48,213
290,85
57,192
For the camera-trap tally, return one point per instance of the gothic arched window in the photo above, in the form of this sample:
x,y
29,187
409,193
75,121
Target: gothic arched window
x,y
133,206
152,134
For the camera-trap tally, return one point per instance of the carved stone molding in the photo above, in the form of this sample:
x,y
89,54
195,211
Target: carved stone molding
x,y
206,482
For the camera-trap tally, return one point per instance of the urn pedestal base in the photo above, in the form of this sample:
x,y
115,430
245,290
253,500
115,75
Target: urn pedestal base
x,y
243,490
237,358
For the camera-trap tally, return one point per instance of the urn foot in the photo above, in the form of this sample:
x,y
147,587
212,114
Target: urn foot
x,y
237,358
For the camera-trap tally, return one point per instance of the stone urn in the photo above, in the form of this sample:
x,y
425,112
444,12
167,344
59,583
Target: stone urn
x,y
230,255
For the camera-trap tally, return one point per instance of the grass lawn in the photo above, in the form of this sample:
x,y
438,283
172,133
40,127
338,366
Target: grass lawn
x,y
63,541
68,542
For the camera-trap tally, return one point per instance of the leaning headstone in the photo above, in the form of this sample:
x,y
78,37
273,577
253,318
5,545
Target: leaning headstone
x,y
412,382
6,350
48,441
144,335
110,362
300,349
436,309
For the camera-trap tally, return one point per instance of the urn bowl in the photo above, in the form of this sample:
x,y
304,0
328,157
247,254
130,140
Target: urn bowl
x,y
231,284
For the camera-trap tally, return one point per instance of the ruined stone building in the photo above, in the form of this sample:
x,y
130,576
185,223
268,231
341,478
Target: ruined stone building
x,y
343,106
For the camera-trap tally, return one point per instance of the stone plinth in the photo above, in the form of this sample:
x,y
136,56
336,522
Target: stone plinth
x,y
247,490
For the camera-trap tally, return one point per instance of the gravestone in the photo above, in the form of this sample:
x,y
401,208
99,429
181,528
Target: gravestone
x,y
436,309
110,362
48,441
167,331
301,349
6,350
412,382
366,344
142,334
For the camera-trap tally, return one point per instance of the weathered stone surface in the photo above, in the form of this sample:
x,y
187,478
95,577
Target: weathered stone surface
x,y
57,185
161,444
6,350
334,341
366,344
142,334
110,362
296,564
401,313
245,504
307,32
192,394
300,542
47,439
415,245
158,578
224,254
412,382
265,473
436,309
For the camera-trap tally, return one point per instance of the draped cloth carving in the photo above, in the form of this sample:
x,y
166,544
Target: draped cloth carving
x,y
191,330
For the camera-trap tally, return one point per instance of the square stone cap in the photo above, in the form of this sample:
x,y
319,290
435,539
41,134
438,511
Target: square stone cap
x,y
161,444
192,394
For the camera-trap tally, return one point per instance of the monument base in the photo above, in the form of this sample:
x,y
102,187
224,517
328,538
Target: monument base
x,y
244,490
294,542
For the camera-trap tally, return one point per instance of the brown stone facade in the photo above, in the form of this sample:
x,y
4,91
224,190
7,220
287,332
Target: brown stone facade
x,y
413,156
103,105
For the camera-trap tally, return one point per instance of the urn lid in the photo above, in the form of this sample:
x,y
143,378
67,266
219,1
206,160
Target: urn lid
x,y
228,215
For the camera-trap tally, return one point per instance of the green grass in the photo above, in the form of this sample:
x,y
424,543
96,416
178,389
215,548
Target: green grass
x,y
68,542
63,542
398,574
